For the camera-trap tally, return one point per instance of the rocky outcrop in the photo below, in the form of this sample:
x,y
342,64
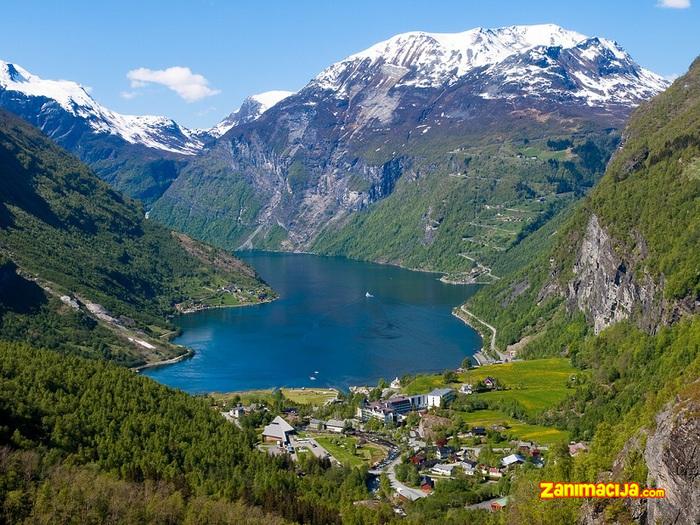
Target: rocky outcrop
x,y
672,455
609,284
606,286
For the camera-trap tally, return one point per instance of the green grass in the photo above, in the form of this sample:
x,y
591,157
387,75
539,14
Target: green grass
x,y
516,429
339,448
537,384
306,396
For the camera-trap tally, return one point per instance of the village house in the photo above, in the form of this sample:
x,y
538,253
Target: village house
x,y
278,430
427,485
443,469
335,425
466,389
477,431
513,459
576,448
444,452
439,397
237,412
490,383
396,383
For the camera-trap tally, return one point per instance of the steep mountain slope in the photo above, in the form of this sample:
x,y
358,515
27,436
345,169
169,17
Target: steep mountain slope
x,y
140,155
81,268
618,290
425,140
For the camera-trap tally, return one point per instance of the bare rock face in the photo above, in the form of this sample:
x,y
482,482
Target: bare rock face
x,y
606,286
673,457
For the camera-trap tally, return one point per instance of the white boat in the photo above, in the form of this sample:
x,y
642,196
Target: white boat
x,y
316,372
312,378
367,294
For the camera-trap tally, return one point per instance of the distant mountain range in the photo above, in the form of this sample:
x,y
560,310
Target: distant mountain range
x,y
357,162
369,142
139,155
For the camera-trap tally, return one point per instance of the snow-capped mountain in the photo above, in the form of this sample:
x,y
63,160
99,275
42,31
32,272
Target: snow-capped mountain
x,y
251,109
411,105
596,70
20,87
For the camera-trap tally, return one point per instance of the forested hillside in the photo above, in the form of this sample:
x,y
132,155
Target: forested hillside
x,y
618,290
65,234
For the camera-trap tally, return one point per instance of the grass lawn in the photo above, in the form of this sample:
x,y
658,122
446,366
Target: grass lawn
x,y
517,429
537,384
340,448
306,396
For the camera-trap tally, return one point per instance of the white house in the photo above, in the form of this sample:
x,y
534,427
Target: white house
x,y
396,383
440,397
443,469
466,388
237,412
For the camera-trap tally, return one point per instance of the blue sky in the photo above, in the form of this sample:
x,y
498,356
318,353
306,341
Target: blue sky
x,y
241,48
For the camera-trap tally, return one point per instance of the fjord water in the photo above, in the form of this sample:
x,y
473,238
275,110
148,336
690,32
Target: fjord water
x,y
324,322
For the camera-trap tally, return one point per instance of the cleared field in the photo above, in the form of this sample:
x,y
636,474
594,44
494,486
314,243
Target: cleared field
x,y
536,384
340,447
516,429
305,396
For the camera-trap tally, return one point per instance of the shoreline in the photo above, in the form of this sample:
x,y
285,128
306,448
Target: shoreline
x,y
189,353
205,308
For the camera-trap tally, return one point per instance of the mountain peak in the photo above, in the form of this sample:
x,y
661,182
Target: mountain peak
x,y
250,110
599,71
437,57
73,98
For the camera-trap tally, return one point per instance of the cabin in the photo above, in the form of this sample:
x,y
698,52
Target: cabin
x,y
427,484
490,383
278,430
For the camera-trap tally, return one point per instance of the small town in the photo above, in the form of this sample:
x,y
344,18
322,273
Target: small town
x,y
411,445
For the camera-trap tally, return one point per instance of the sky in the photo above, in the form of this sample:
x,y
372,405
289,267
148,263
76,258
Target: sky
x,y
195,61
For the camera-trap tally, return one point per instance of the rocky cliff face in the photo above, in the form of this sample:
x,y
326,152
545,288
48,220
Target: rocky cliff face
x,y
672,455
610,284
607,285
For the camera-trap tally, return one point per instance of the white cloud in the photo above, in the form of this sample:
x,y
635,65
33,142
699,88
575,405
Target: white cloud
x,y
674,4
128,95
190,86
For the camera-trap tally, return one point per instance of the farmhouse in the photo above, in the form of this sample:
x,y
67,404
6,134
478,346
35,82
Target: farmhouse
x,y
278,430
490,383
